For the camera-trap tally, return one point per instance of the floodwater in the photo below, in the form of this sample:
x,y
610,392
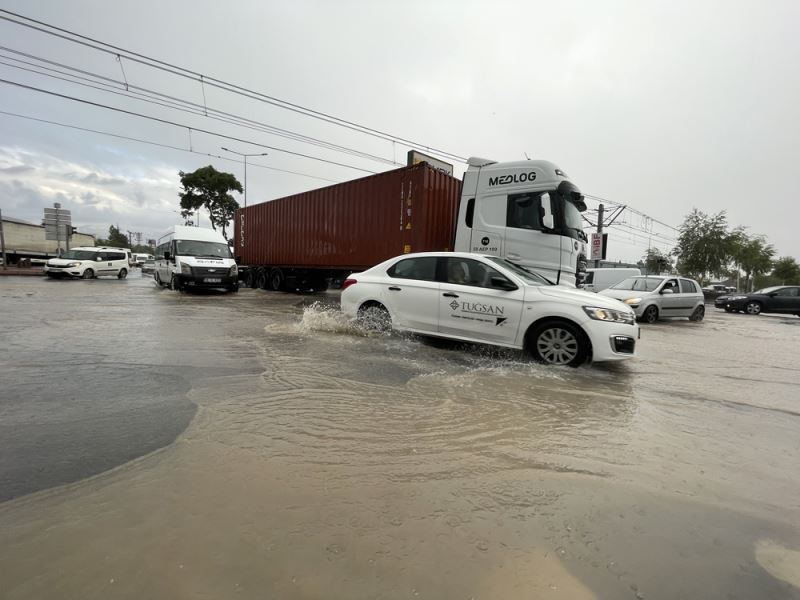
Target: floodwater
x,y
323,462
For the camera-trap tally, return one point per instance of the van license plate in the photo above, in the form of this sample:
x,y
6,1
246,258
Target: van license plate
x,y
213,280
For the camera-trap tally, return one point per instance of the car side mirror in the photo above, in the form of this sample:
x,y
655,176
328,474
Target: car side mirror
x,y
167,256
501,283
667,291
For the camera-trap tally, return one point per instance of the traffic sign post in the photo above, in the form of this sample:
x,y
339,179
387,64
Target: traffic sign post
x,y
57,225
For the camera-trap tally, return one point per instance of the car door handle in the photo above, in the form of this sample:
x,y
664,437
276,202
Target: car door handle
x,y
394,288
450,295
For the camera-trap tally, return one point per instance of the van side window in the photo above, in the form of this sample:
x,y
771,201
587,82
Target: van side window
x,y
115,256
101,257
470,212
524,211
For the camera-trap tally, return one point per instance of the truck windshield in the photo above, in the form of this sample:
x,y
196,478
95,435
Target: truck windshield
x,y
202,249
572,204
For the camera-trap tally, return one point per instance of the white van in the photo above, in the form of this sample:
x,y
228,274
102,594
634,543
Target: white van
x,y
601,279
193,257
90,262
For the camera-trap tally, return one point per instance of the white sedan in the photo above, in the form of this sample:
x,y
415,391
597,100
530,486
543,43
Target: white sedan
x,y
486,299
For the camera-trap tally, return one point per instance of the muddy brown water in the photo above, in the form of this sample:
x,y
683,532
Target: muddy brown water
x,y
325,463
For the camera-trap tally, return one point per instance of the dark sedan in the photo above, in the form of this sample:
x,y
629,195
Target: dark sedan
x,y
778,299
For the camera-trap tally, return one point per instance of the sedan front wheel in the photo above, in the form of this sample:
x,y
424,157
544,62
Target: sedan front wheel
x,y
558,343
753,308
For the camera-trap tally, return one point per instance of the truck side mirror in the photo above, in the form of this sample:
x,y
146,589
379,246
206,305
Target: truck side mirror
x,y
167,256
546,211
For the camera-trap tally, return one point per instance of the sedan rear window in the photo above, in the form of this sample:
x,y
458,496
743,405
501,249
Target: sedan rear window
x,y
423,267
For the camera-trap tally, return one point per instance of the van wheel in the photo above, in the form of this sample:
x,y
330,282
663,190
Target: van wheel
x,y
174,284
123,273
276,279
698,314
88,274
557,343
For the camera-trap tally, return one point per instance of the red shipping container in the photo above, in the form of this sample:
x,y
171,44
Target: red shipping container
x,y
354,225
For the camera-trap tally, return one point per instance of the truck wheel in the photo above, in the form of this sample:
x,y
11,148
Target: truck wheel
x,y
261,279
557,343
249,279
276,279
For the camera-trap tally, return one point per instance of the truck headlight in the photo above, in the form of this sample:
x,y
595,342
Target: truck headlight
x,y
609,314
633,301
234,271
186,269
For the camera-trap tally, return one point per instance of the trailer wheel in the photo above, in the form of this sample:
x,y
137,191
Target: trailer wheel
x,y
249,279
261,279
276,279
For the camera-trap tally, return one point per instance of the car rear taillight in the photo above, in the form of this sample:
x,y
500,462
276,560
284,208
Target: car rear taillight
x,y
347,283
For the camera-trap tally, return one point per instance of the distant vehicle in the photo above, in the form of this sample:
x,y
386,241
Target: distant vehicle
x,y
599,279
659,297
90,262
526,211
489,300
193,257
139,259
777,299
149,265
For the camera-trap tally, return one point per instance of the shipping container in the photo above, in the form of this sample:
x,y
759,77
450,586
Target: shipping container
x,y
301,241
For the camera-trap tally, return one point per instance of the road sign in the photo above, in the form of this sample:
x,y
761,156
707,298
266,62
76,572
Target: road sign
x,y
597,246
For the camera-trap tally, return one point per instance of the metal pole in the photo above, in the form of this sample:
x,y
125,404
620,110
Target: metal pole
x,y
600,210
3,242
245,181
58,229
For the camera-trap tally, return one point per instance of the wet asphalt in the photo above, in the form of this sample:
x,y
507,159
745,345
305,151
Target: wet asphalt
x,y
97,373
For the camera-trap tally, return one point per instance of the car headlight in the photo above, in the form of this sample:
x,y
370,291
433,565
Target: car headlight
x,y
74,264
633,301
234,271
186,269
609,314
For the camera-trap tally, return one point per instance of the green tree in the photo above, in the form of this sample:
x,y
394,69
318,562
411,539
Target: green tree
x,y
704,244
786,270
656,261
210,189
116,238
753,255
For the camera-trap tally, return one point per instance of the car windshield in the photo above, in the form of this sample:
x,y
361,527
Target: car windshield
x,y
767,290
639,284
80,254
204,249
527,276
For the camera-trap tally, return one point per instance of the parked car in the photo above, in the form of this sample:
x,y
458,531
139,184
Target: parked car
x,y
140,259
778,299
149,265
90,262
656,297
487,299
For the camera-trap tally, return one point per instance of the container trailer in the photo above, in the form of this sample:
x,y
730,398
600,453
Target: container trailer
x,y
526,211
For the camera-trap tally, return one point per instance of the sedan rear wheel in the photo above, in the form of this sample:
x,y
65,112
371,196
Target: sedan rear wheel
x,y
753,308
374,317
558,343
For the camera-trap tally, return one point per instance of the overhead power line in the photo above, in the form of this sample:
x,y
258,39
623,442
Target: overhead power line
x,y
202,80
159,144
174,124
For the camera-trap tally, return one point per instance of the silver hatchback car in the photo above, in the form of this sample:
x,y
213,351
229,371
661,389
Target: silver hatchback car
x,y
657,297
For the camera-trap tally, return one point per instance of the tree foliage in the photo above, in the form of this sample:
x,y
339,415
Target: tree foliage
x,y
210,189
116,238
655,261
752,254
704,245
786,271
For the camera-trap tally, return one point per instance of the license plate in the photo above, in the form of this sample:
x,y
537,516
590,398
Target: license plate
x,y
213,280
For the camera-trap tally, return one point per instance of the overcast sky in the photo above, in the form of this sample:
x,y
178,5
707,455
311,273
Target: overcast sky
x,y
662,106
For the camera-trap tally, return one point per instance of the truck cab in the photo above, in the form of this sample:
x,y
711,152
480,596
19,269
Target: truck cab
x,y
527,212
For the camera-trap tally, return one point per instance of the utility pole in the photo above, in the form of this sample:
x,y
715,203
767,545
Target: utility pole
x,y
244,156
3,242
600,210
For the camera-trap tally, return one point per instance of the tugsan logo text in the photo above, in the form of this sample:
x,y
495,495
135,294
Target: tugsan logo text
x,y
476,308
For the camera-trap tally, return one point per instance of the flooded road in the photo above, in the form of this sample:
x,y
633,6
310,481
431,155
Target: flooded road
x,y
325,463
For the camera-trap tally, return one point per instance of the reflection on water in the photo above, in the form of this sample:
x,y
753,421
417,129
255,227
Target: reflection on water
x,y
389,466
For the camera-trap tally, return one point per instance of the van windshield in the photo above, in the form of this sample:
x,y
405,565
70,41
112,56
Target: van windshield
x,y
80,254
202,249
641,284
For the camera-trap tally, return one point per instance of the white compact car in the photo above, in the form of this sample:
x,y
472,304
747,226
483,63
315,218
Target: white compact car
x,y
656,297
487,299
90,262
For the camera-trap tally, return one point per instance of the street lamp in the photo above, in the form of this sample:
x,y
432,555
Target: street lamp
x,y
243,155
